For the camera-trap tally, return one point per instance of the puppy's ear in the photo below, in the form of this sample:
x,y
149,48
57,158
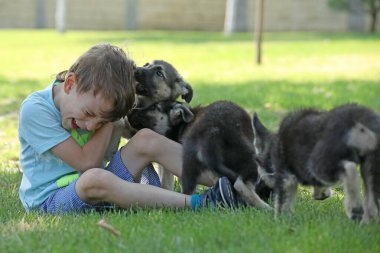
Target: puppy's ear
x,y
188,96
186,91
183,111
258,128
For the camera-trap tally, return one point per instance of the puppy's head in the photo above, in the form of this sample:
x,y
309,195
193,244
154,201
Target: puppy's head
x,y
263,143
159,81
161,117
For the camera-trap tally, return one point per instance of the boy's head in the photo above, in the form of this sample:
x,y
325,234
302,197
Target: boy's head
x,y
104,71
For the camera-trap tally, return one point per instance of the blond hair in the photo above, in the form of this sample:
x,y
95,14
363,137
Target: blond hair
x,y
105,69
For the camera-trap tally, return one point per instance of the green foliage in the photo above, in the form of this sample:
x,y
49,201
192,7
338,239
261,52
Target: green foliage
x,y
299,70
339,4
347,4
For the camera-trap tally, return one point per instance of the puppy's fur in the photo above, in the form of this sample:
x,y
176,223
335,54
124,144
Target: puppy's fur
x,y
322,148
217,138
155,81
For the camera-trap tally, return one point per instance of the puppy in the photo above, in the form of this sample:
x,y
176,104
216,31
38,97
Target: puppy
x,y
159,81
217,141
155,81
321,149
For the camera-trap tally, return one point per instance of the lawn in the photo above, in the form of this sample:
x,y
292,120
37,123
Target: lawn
x,y
299,70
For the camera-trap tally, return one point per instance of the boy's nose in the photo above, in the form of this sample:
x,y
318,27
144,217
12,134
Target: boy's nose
x,y
90,125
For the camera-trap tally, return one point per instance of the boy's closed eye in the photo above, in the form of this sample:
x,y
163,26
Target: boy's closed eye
x,y
89,113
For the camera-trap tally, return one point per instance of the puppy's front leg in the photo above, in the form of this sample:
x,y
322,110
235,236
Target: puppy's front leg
x,y
285,193
370,178
351,187
371,210
321,193
371,202
248,193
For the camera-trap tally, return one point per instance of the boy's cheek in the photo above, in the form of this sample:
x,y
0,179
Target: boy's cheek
x,y
66,124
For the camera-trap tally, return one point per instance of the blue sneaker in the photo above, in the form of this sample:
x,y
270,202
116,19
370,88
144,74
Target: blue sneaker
x,y
221,194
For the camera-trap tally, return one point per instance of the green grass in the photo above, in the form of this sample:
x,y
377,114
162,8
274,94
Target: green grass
x,y
299,70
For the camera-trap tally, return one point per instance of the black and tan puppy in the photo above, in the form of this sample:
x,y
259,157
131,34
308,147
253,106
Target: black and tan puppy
x,y
321,149
217,140
155,81
160,81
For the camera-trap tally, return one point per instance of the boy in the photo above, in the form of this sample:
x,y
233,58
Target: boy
x,y
97,90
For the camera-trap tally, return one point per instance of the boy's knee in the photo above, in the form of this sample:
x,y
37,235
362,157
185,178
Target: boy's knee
x,y
145,134
145,141
92,185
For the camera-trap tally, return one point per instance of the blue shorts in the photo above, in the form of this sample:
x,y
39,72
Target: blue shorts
x,y
66,199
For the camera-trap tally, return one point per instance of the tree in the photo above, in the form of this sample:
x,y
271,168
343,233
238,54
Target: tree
x,y
259,29
372,7
236,20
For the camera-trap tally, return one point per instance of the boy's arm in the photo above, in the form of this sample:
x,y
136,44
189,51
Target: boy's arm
x,y
91,155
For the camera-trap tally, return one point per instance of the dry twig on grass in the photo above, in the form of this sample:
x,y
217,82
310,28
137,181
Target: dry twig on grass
x,y
103,224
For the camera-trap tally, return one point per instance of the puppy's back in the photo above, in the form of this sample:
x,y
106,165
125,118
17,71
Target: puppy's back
x,y
224,117
297,135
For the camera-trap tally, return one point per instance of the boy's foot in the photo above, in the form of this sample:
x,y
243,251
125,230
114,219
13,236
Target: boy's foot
x,y
221,194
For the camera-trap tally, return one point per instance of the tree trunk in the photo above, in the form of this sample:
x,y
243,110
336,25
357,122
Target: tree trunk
x,y
259,28
373,20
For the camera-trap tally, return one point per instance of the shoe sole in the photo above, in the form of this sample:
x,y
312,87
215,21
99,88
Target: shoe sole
x,y
222,194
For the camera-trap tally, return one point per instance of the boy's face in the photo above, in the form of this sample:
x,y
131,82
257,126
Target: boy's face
x,y
82,110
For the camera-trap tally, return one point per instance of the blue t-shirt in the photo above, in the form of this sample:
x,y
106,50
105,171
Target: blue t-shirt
x,y
40,129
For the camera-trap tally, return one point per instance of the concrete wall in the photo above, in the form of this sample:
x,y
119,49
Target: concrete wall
x,y
204,15
182,14
17,14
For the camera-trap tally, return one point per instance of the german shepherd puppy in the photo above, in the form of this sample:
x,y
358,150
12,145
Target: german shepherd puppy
x,y
155,81
160,81
322,148
217,140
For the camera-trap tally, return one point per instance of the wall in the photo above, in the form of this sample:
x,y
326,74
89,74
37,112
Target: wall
x,y
204,15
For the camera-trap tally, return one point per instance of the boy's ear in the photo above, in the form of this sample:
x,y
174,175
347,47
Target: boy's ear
x,y
69,82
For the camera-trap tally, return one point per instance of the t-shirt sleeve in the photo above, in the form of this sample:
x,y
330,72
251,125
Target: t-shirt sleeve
x,y
40,126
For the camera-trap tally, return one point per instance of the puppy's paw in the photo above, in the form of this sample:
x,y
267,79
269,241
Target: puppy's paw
x,y
370,215
356,213
321,193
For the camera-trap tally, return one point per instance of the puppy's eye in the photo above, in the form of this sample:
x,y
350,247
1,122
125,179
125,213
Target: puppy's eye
x,y
160,74
146,64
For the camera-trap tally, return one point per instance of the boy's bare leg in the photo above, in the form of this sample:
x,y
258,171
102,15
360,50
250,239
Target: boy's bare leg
x,y
147,146
98,185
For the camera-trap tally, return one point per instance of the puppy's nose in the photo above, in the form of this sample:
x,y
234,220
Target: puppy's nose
x,y
138,72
